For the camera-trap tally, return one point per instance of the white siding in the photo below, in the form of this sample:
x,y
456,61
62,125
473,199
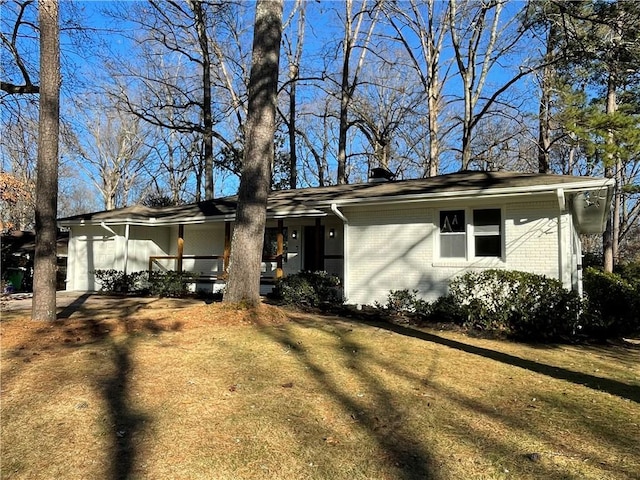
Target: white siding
x,y
387,249
205,239
532,237
395,249
96,248
91,248
145,242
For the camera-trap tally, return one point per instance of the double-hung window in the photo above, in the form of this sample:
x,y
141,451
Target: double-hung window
x,y
453,234
470,233
487,238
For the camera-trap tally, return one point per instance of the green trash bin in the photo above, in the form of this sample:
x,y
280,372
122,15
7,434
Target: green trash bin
x,y
14,278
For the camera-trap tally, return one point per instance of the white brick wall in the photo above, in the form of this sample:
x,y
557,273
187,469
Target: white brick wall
x,y
393,249
387,249
532,237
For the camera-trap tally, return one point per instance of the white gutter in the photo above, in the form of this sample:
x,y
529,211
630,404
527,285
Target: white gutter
x,y
108,229
502,192
562,204
339,214
345,250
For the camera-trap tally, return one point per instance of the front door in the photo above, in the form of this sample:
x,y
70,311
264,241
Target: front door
x,y
313,248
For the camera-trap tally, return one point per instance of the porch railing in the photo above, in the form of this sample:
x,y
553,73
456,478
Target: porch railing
x,y
214,269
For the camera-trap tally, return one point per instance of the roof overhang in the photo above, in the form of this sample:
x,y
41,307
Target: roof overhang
x,y
322,201
551,189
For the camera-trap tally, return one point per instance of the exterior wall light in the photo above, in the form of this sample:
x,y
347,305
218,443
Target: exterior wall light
x,y
332,233
294,234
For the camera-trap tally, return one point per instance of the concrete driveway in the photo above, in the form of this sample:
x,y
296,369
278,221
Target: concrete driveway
x,y
74,303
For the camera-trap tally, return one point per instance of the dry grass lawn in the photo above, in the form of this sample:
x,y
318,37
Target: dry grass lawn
x,y
177,390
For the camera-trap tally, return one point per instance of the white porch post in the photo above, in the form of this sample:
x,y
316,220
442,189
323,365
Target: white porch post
x,y
126,248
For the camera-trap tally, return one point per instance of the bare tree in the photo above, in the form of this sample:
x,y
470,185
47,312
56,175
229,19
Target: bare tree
x,y
45,260
293,51
208,97
382,104
248,233
109,145
18,147
316,135
425,20
482,37
357,35
10,43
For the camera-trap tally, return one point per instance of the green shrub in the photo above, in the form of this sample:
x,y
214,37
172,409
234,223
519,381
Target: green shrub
x,y
402,301
446,310
520,304
612,305
170,283
309,289
116,281
161,284
405,302
630,272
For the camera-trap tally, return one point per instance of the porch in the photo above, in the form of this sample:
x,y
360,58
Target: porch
x,y
300,245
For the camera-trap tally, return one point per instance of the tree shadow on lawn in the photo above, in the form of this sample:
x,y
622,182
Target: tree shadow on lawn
x,y
473,429
117,335
383,423
614,387
74,306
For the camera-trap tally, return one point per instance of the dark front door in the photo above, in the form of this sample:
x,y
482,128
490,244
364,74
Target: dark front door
x,y
313,248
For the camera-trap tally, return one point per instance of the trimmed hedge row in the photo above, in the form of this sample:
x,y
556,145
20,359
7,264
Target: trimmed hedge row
x,y
612,304
309,289
530,307
521,304
160,284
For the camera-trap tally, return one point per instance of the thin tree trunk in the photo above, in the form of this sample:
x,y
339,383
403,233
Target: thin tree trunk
x,y
348,86
609,235
294,74
544,114
248,234
207,118
293,157
44,276
345,100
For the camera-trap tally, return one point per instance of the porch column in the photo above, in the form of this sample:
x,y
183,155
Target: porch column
x,y
126,248
319,254
180,247
227,248
279,248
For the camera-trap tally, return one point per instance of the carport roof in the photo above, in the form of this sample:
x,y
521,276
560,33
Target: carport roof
x,y
317,201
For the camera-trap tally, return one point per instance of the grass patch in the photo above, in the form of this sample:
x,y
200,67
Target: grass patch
x,y
209,391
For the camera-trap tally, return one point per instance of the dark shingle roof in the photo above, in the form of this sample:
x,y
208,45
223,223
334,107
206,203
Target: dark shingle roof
x,y
315,201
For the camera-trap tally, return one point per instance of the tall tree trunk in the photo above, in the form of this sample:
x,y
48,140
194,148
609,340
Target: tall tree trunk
x,y
431,32
345,100
294,75
248,234
207,118
544,114
44,275
347,85
609,236
293,156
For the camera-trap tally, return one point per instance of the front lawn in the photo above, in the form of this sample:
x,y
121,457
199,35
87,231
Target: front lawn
x,y
209,392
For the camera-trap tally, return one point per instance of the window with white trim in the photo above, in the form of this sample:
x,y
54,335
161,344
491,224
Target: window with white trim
x,y
453,234
470,233
487,238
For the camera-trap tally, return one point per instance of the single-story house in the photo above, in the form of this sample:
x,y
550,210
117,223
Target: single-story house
x,y
377,236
